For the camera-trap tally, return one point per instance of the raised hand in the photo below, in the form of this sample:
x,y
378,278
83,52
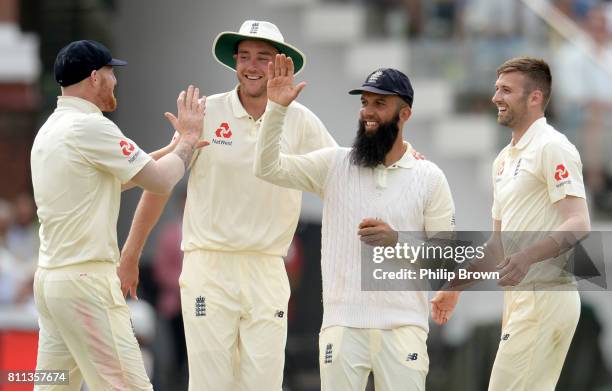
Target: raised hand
x,y
280,81
191,109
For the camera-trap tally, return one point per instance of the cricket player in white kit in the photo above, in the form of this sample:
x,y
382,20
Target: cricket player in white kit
x,y
236,227
80,163
539,198
369,192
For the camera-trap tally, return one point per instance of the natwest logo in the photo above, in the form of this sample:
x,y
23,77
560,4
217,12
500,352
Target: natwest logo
x,y
223,131
222,134
126,147
561,172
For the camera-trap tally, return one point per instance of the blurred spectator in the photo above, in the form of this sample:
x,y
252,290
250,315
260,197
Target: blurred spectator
x,y
171,360
8,262
584,102
492,18
22,242
576,9
394,17
22,236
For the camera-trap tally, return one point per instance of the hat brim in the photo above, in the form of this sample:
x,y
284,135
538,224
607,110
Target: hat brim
x,y
117,63
224,49
358,91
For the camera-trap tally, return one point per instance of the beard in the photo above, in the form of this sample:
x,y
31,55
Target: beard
x,y
107,97
369,149
513,114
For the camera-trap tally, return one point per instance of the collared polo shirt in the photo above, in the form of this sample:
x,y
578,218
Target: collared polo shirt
x,y
79,160
528,178
228,208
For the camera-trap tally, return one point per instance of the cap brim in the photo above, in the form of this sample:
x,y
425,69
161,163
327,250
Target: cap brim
x,y
224,48
375,90
117,63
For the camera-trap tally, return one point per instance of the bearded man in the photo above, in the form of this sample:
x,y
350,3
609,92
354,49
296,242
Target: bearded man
x,y
370,192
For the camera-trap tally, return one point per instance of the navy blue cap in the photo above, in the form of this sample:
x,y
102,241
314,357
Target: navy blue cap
x,y
78,59
387,81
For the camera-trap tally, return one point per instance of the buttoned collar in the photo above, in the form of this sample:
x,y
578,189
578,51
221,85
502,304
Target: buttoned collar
x,y
529,134
237,108
79,104
406,161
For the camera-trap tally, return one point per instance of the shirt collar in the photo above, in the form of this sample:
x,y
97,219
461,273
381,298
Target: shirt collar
x,y
406,161
79,104
237,108
528,136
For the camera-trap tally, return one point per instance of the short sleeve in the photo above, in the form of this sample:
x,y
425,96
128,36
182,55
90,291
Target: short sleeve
x,y
102,144
440,208
562,171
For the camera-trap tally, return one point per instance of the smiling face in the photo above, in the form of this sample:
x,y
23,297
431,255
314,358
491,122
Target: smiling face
x,y
511,99
380,120
377,109
252,58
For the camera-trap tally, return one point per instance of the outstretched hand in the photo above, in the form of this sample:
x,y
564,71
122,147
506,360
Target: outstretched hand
x,y
280,81
191,109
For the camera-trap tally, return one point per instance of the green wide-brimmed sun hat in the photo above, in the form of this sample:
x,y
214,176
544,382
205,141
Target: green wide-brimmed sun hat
x,y
226,43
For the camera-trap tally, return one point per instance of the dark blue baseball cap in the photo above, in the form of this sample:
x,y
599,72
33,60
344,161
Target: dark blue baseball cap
x,y
78,59
387,81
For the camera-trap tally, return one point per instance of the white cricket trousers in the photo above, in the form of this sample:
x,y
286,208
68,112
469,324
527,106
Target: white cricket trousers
x,y
85,328
397,358
235,314
537,330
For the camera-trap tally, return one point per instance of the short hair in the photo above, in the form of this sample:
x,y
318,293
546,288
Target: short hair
x,y
537,72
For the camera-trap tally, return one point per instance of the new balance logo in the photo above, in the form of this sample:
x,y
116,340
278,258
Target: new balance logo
x,y
412,357
200,306
328,354
505,337
279,314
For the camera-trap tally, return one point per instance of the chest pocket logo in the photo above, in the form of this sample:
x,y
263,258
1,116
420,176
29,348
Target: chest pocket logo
x,y
223,131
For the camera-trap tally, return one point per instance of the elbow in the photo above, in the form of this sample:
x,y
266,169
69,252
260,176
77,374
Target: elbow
x,y
160,185
262,172
164,187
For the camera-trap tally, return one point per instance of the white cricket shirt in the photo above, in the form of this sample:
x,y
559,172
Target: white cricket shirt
x,y
228,208
409,195
528,178
79,160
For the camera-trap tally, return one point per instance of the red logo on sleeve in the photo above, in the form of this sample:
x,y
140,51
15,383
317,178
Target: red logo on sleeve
x,y
223,130
561,172
126,147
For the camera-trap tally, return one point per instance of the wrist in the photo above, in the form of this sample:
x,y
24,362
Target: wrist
x,y
191,138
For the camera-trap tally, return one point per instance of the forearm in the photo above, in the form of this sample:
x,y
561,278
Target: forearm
x,y
161,176
267,157
561,240
155,155
302,172
147,214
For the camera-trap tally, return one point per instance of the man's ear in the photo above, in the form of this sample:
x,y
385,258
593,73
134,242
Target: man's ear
x,y
536,97
405,113
94,77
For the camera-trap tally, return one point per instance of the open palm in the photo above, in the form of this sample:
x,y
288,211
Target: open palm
x,y
280,81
